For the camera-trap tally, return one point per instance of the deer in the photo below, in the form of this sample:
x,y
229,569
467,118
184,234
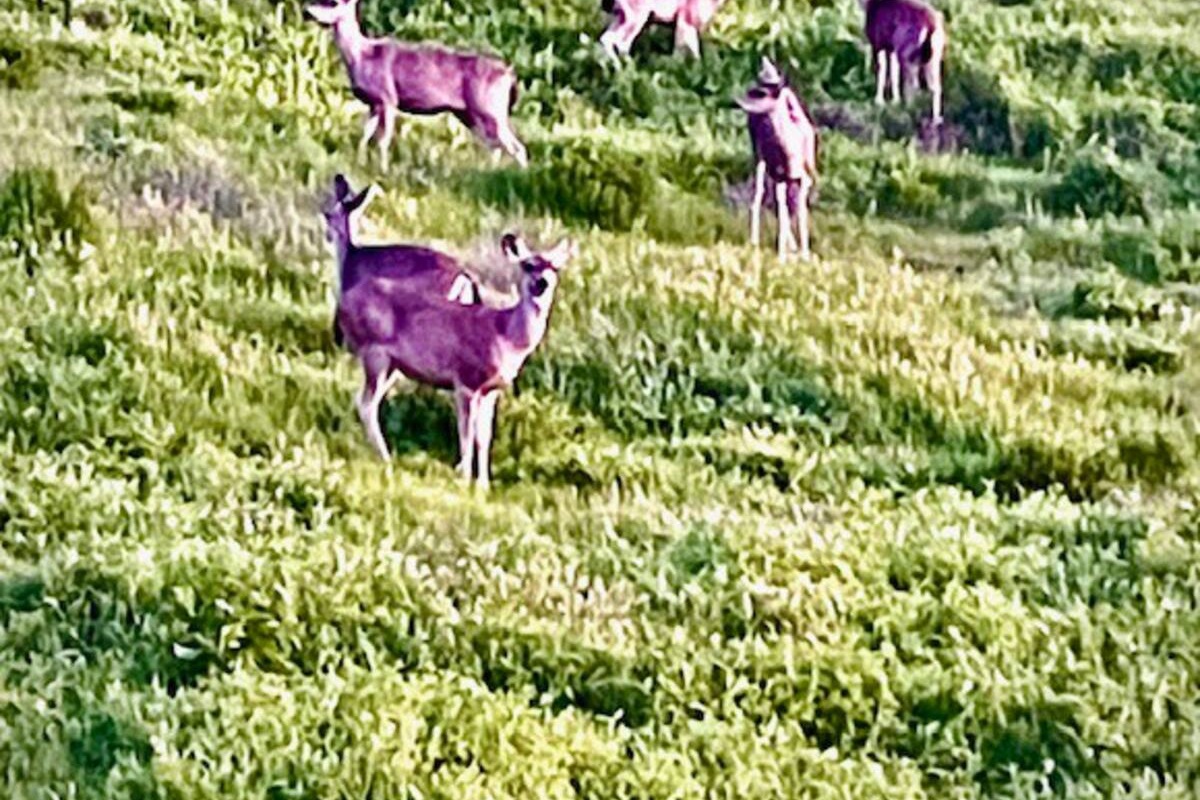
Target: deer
x,y
784,141
908,43
421,269
476,351
630,17
424,79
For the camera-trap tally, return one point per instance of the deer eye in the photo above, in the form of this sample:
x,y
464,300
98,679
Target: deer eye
x,y
539,287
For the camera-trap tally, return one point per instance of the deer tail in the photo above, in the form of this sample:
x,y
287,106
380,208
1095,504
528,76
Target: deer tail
x,y
464,290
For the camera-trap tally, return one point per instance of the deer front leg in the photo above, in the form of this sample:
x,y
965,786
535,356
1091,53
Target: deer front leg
x,y
894,76
760,185
785,228
467,406
881,70
485,422
369,127
375,386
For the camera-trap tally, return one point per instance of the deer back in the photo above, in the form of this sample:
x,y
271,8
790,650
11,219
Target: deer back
x,y
418,270
429,339
421,267
423,79
900,26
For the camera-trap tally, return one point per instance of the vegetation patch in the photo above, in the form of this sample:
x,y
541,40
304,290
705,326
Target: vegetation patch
x,y
914,518
39,219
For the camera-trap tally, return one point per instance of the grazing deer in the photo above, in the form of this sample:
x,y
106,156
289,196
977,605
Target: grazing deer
x,y
785,150
476,351
908,42
419,269
421,79
631,16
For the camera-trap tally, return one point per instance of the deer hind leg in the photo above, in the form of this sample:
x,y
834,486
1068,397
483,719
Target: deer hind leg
x,y
931,73
912,75
687,38
625,27
786,243
800,213
376,384
467,407
485,422
760,185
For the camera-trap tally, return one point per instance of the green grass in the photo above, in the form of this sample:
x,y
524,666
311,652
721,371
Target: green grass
x,y
916,519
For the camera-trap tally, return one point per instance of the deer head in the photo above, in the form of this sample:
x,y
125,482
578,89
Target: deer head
x,y
539,271
339,207
765,93
331,13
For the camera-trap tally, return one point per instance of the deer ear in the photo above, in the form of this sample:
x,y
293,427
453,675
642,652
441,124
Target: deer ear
x,y
341,187
324,14
769,73
514,247
563,252
360,199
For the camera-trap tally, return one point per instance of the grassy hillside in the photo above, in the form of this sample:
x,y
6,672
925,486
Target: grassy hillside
x,y
916,519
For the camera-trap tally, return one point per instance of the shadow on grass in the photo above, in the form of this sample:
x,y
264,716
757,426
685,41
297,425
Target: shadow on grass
x,y
676,389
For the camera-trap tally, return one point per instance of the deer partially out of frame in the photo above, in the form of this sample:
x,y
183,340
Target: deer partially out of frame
x,y
476,351
908,42
421,79
631,16
785,150
418,269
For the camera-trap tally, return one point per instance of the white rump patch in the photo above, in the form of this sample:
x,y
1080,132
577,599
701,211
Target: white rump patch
x,y
462,291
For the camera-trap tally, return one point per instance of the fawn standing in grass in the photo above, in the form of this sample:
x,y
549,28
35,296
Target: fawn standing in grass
x,y
421,79
785,150
908,42
476,351
419,269
631,16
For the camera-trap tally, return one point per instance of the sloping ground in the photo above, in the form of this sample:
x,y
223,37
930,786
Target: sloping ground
x,y
914,520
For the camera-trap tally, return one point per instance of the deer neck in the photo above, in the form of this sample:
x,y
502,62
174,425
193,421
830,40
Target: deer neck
x,y
526,323
349,39
343,248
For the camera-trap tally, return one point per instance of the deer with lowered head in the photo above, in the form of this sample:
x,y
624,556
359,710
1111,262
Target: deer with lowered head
x,y
785,150
629,17
421,79
419,269
475,351
908,43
